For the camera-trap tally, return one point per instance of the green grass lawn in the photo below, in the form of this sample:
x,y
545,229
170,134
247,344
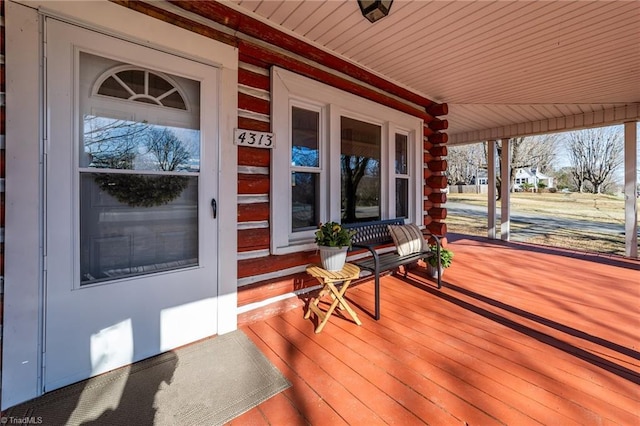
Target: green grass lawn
x,y
572,206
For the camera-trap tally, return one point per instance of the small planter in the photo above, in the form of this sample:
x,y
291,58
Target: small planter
x,y
333,258
446,257
433,271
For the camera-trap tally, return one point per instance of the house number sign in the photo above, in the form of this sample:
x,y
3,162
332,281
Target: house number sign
x,y
254,139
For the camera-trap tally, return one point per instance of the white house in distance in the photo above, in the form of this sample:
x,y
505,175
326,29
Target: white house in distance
x,y
524,176
532,176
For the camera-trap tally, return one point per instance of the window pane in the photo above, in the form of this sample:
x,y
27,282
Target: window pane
x,y
174,100
111,87
121,144
402,197
305,191
158,86
132,224
134,79
401,154
305,137
360,170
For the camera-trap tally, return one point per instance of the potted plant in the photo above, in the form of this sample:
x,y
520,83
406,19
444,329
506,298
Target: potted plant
x,y
446,257
333,242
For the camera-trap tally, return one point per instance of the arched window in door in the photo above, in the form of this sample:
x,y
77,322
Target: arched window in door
x,y
140,85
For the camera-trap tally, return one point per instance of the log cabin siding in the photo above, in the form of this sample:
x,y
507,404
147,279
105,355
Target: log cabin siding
x,y
248,156
261,275
253,123
253,183
253,212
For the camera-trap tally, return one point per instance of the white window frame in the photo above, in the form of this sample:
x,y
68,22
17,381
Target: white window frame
x,y
411,154
290,89
321,169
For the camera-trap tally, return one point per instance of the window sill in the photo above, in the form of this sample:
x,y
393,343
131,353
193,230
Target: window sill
x,y
295,247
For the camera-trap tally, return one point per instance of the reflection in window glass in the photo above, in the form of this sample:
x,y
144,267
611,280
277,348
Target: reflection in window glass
x,y
134,79
305,203
401,154
402,177
120,144
132,224
305,138
402,197
111,87
360,170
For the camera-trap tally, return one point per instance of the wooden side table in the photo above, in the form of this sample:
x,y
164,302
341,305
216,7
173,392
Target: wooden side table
x,y
329,281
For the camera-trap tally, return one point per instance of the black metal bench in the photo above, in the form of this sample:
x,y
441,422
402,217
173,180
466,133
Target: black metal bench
x,y
374,236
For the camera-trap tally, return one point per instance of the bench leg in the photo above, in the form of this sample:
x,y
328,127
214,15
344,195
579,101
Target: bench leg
x,y
377,296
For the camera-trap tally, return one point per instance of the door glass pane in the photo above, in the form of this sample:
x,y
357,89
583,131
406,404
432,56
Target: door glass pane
x,y
360,170
305,203
122,144
134,223
305,139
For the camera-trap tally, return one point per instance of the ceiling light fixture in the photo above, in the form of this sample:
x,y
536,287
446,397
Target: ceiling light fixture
x,y
375,9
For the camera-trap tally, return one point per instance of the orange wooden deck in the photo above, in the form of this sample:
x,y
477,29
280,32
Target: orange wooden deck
x,y
519,335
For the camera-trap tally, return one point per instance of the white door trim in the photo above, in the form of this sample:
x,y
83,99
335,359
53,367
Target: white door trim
x,y
23,303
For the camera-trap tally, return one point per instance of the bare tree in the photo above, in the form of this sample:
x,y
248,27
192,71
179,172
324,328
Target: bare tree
x,y
354,168
112,143
529,152
463,163
168,150
595,155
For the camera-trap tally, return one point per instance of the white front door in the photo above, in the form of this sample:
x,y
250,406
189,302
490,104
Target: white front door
x,y
131,178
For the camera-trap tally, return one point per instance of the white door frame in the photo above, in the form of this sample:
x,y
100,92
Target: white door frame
x,y
23,278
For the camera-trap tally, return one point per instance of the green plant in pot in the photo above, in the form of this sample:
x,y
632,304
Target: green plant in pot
x,y
333,242
446,257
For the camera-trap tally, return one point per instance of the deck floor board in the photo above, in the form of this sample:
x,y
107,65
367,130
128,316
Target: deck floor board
x,y
518,335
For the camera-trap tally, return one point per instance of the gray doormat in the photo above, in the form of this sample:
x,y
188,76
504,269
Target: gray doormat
x,y
206,383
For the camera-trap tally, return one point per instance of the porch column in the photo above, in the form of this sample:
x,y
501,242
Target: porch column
x,y
491,189
630,194
505,202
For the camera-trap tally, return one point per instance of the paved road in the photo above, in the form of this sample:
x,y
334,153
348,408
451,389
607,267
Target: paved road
x,y
535,224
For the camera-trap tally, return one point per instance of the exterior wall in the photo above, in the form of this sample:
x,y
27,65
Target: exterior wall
x,y
263,277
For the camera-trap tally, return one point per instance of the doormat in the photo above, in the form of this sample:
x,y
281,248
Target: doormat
x,y
209,382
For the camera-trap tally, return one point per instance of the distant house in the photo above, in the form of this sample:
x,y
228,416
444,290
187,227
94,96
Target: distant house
x,y
523,176
533,177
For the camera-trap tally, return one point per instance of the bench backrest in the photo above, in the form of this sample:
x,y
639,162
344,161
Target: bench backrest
x,y
373,232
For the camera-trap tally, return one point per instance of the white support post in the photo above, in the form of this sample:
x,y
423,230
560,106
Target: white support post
x,y
630,189
491,190
505,202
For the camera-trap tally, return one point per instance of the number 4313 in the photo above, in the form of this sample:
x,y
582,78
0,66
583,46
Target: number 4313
x,y
254,139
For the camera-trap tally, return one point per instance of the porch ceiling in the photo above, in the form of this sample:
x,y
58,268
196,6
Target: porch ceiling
x,y
503,67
